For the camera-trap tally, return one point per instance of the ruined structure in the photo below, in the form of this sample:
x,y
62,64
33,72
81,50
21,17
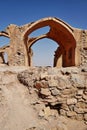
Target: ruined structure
x,y
61,89
70,52
35,98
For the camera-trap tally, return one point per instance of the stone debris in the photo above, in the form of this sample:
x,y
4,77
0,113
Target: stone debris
x,y
25,106
71,101
55,91
64,91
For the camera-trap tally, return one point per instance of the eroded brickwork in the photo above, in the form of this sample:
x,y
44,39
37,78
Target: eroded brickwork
x,y
72,50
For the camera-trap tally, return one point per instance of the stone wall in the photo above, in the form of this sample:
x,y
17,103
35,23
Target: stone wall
x,y
64,90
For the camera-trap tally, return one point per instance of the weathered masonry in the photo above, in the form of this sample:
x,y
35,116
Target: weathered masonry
x,y
72,43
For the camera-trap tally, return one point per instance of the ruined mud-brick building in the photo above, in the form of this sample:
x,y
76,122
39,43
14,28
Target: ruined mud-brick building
x,y
72,49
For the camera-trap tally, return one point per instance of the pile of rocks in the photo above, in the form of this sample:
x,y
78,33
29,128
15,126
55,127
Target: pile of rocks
x,y
59,91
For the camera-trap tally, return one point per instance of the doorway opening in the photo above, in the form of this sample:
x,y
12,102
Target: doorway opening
x,y
43,52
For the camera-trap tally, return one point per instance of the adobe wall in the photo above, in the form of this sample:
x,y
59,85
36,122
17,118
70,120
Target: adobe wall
x,y
72,42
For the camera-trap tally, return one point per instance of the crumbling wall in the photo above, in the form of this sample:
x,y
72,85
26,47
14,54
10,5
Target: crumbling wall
x,y
18,48
72,42
81,46
64,89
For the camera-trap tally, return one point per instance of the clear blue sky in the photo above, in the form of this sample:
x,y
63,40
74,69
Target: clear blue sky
x,y
20,12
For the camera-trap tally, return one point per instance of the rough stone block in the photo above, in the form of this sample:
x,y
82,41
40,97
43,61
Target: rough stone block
x,y
71,101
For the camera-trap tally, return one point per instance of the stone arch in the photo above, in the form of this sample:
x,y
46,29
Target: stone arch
x,y
61,33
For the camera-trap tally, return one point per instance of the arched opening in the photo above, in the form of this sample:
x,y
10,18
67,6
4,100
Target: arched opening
x,y
5,58
61,33
4,45
40,31
4,41
43,52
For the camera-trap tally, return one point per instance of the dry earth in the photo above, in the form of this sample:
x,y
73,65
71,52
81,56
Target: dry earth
x,y
16,111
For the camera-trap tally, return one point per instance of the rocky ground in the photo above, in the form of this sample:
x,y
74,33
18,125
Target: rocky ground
x,y
23,102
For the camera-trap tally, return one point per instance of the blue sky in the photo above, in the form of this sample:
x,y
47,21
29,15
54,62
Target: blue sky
x,y
20,12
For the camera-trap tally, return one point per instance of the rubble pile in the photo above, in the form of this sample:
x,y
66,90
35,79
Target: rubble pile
x,y
57,91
